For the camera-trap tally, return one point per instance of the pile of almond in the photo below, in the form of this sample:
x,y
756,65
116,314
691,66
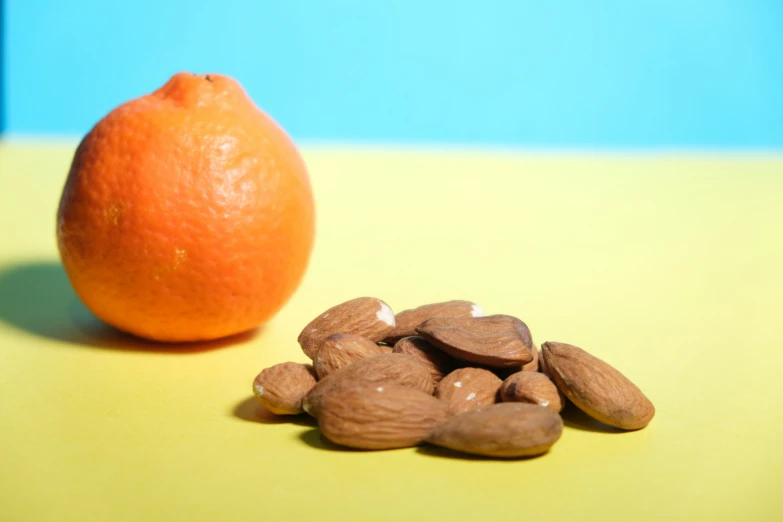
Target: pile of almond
x,y
446,375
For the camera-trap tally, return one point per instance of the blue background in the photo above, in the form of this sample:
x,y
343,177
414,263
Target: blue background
x,y
606,74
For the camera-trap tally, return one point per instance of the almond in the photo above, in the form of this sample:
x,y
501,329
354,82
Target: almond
x,y
342,349
533,388
496,340
282,387
510,429
408,320
379,416
439,362
597,388
365,316
393,368
533,365
468,388
542,365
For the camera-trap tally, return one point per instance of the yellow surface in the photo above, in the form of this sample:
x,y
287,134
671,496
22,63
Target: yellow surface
x,y
669,268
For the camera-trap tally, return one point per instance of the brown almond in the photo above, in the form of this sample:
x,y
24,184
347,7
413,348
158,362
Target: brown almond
x,y
342,349
379,416
597,388
508,430
532,366
439,362
466,389
408,320
391,368
533,388
365,316
542,364
496,340
281,388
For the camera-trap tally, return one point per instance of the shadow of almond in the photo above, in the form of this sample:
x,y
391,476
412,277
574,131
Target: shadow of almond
x,y
437,451
315,439
252,411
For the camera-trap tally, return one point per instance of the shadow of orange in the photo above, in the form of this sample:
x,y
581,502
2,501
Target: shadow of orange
x,y
37,297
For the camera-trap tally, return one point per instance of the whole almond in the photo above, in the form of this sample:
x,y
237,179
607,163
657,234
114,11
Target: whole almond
x,y
379,416
393,368
439,362
365,316
466,389
281,388
532,366
597,388
533,388
342,349
509,429
496,340
408,320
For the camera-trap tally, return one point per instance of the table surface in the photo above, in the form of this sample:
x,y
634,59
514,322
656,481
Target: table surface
x,y
670,268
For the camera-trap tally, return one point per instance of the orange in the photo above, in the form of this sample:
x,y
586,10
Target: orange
x,y
187,213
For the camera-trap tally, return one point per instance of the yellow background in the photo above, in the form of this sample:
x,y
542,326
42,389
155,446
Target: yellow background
x,y
670,268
